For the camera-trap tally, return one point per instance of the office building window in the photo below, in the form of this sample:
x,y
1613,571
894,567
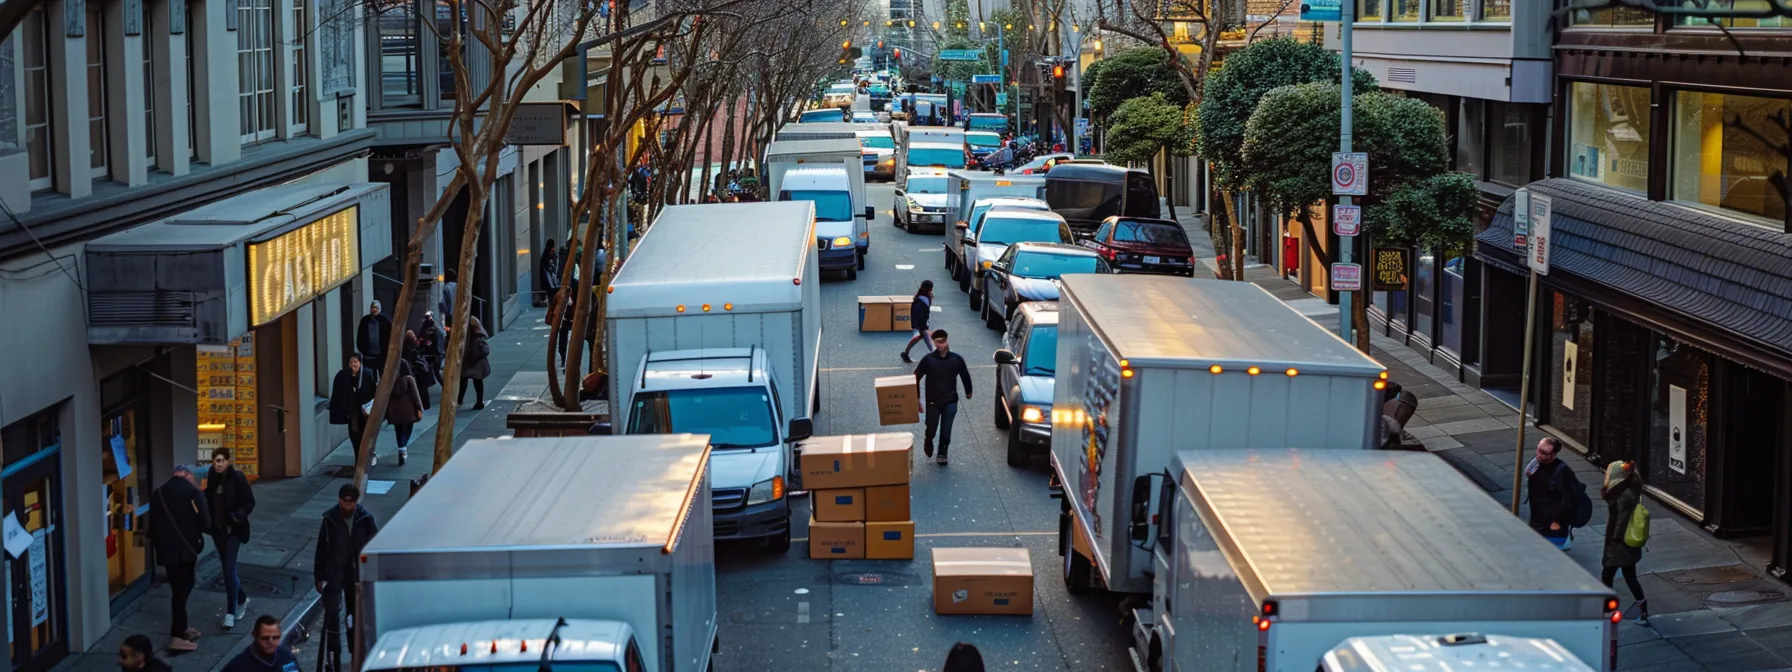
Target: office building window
x,y
149,88
1404,11
96,91
1496,10
1449,10
401,75
447,26
1515,130
36,47
1614,17
9,96
1471,136
1739,22
1729,151
192,87
1368,10
255,68
301,67
1608,135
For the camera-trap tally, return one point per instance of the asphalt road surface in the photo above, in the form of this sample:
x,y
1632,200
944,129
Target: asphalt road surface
x,y
788,612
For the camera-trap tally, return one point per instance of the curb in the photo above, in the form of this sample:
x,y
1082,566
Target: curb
x,y
292,630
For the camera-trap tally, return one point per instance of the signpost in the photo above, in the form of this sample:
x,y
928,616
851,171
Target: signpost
x,y
1322,10
961,55
1347,220
1537,213
1350,177
1347,278
1521,218
1001,99
986,79
1359,170
1350,174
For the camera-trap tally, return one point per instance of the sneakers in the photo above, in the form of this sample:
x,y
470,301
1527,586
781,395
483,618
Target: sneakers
x,y
242,607
401,456
374,460
927,446
941,460
182,644
905,358
229,620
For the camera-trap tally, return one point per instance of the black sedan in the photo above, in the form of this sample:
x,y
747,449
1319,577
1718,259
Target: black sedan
x,y
1030,272
1026,373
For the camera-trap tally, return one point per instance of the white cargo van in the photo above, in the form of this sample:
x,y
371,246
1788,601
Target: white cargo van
x,y
588,553
1151,365
714,324
829,173
1265,560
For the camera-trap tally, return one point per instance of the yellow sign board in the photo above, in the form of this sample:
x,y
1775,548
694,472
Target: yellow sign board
x,y
296,267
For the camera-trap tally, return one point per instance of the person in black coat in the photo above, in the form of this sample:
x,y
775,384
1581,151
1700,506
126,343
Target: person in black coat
x,y
373,337
1551,484
421,368
349,395
136,654
549,274
430,340
1622,492
232,500
346,529
919,309
938,374
266,653
178,520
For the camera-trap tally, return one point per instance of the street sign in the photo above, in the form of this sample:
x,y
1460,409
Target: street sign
x,y
1521,218
1001,99
986,79
1347,277
1322,10
1538,255
1389,272
1082,126
1347,220
961,54
1350,174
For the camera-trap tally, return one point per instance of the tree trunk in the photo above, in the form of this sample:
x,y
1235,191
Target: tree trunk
x,y
1220,231
462,318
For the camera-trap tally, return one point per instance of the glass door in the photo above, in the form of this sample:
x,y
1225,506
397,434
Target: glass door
x,y
124,458
36,632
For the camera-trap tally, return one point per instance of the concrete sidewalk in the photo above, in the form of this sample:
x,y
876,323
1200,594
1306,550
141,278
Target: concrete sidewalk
x,y
275,566
1713,606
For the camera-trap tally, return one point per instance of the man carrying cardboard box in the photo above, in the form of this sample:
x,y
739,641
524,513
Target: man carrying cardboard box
x,y
936,374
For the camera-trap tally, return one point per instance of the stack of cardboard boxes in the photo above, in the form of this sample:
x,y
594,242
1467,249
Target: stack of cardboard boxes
x,y
885,313
858,488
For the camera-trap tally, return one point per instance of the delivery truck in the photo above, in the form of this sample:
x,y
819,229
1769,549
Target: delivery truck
x,y
829,173
589,553
713,326
1266,560
1450,653
1148,366
822,130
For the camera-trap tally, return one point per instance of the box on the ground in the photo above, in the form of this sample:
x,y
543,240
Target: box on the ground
x,y
890,540
898,400
845,505
900,320
855,460
982,581
836,541
874,313
886,503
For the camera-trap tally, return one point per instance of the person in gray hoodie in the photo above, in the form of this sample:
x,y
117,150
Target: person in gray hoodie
x,y
266,653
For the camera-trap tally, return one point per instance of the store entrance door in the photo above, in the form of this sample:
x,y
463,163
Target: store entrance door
x,y
1753,438
37,634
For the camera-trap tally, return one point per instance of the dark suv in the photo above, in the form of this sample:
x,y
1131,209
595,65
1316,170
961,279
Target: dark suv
x,y
1026,371
1143,245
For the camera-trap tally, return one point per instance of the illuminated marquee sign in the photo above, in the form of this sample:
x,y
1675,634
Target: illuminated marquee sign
x,y
296,267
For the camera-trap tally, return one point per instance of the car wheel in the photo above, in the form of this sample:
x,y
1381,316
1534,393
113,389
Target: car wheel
x,y
862,259
991,318
852,273
977,298
779,544
1017,451
1000,407
896,218
1076,571
947,253
964,281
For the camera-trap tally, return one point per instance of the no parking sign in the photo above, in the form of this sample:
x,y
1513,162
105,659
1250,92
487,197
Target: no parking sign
x,y
1350,174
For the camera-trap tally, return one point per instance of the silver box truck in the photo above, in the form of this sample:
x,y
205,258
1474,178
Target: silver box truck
x,y
588,553
1148,366
1266,560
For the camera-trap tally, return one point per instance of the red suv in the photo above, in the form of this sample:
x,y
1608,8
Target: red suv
x,y
1143,245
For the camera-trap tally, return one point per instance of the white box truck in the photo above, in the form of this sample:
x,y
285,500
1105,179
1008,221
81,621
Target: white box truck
x,y
713,326
822,130
1148,366
1450,653
831,174
964,188
587,553
1266,560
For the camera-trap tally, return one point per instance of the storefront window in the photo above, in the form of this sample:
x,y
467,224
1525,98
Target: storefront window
x,y
32,497
1405,11
1679,406
1368,10
1448,10
1449,315
1513,137
1730,152
1614,17
127,553
227,408
1608,137
1739,22
1570,368
1424,292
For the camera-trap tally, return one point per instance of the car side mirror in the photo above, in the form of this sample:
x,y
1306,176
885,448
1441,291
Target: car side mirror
x,y
800,429
1005,356
870,212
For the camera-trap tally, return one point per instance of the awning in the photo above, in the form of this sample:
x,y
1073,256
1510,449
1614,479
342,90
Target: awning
x,y
1722,283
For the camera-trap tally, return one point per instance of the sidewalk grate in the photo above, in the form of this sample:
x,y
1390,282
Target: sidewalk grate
x,y
261,581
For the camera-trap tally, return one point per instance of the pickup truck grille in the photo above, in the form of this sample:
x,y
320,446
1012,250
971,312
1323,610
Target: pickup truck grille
x,y
727,499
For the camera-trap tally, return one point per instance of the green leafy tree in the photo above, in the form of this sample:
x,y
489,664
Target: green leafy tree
x,y
1134,73
1144,126
958,19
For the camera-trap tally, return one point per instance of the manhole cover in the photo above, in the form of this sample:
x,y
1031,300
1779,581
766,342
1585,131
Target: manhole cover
x,y
1713,575
263,581
1731,598
862,579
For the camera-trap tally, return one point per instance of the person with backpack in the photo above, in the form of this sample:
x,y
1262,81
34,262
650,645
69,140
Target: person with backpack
x,y
1554,495
1626,531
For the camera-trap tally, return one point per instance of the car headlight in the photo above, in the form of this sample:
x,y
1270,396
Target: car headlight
x,y
842,241
1032,414
770,490
889,162
988,264
916,207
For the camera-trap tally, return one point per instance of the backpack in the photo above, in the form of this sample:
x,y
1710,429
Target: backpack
x,y
1583,504
1636,534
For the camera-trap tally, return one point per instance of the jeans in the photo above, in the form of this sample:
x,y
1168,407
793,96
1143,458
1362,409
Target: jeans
x,y
477,384
1630,580
940,415
180,579
404,433
227,558
338,597
357,423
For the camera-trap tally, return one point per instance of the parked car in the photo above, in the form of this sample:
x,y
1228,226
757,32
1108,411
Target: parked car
x,y
982,143
921,200
1005,227
1087,193
1143,245
1029,272
1041,164
1026,369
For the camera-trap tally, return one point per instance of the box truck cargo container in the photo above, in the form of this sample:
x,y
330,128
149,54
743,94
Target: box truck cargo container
x,y
830,174
1148,366
822,130
713,326
590,553
1450,653
1265,560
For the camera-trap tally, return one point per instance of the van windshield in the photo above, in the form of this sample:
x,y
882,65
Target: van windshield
x,y
927,185
877,142
983,139
830,206
950,158
1004,231
989,123
733,417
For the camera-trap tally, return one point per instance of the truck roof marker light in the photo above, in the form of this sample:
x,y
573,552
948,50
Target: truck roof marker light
x,y
796,281
1384,375
1216,369
1617,616
610,290
525,646
1124,363
463,648
727,306
494,647
1381,384
1292,372
680,308
1126,373
1263,625
705,307
1269,608
1611,605
1253,370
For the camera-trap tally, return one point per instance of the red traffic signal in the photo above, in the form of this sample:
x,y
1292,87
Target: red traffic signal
x,y
899,53
1058,71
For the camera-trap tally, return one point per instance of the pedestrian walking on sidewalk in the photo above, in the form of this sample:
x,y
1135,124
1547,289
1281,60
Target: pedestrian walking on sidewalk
x,y
549,273
963,658
476,363
346,529
136,654
1552,486
431,339
177,533
404,409
421,368
1623,493
265,653
373,337
351,396
919,310
232,500
450,289
938,374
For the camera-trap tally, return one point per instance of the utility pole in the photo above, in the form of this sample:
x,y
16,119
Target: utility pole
x,y
1347,11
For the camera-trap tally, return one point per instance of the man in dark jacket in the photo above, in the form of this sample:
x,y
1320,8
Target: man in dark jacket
x,y
266,653
227,490
136,654
349,394
373,337
1551,484
177,525
938,374
347,527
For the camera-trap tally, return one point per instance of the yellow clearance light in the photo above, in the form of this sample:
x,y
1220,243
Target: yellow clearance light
x,y
1381,384
680,308
705,307
1292,372
1253,370
1216,369
727,306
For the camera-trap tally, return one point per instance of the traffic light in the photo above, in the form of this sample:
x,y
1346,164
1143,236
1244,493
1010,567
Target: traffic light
x,y
1057,72
898,53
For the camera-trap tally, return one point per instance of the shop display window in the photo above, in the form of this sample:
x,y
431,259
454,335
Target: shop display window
x,y
1608,135
1730,152
1679,415
1570,368
127,493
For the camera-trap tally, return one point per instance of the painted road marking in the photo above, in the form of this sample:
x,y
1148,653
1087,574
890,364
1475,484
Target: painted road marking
x,y
905,267
802,612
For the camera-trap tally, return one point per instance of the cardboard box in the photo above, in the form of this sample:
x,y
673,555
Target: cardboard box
x,y
898,400
839,506
890,540
995,581
886,503
874,313
900,320
836,541
855,460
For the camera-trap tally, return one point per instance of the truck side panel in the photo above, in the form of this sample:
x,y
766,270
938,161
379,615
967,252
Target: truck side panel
x,y
1299,646
624,597
1088,400
693,590
1211,610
